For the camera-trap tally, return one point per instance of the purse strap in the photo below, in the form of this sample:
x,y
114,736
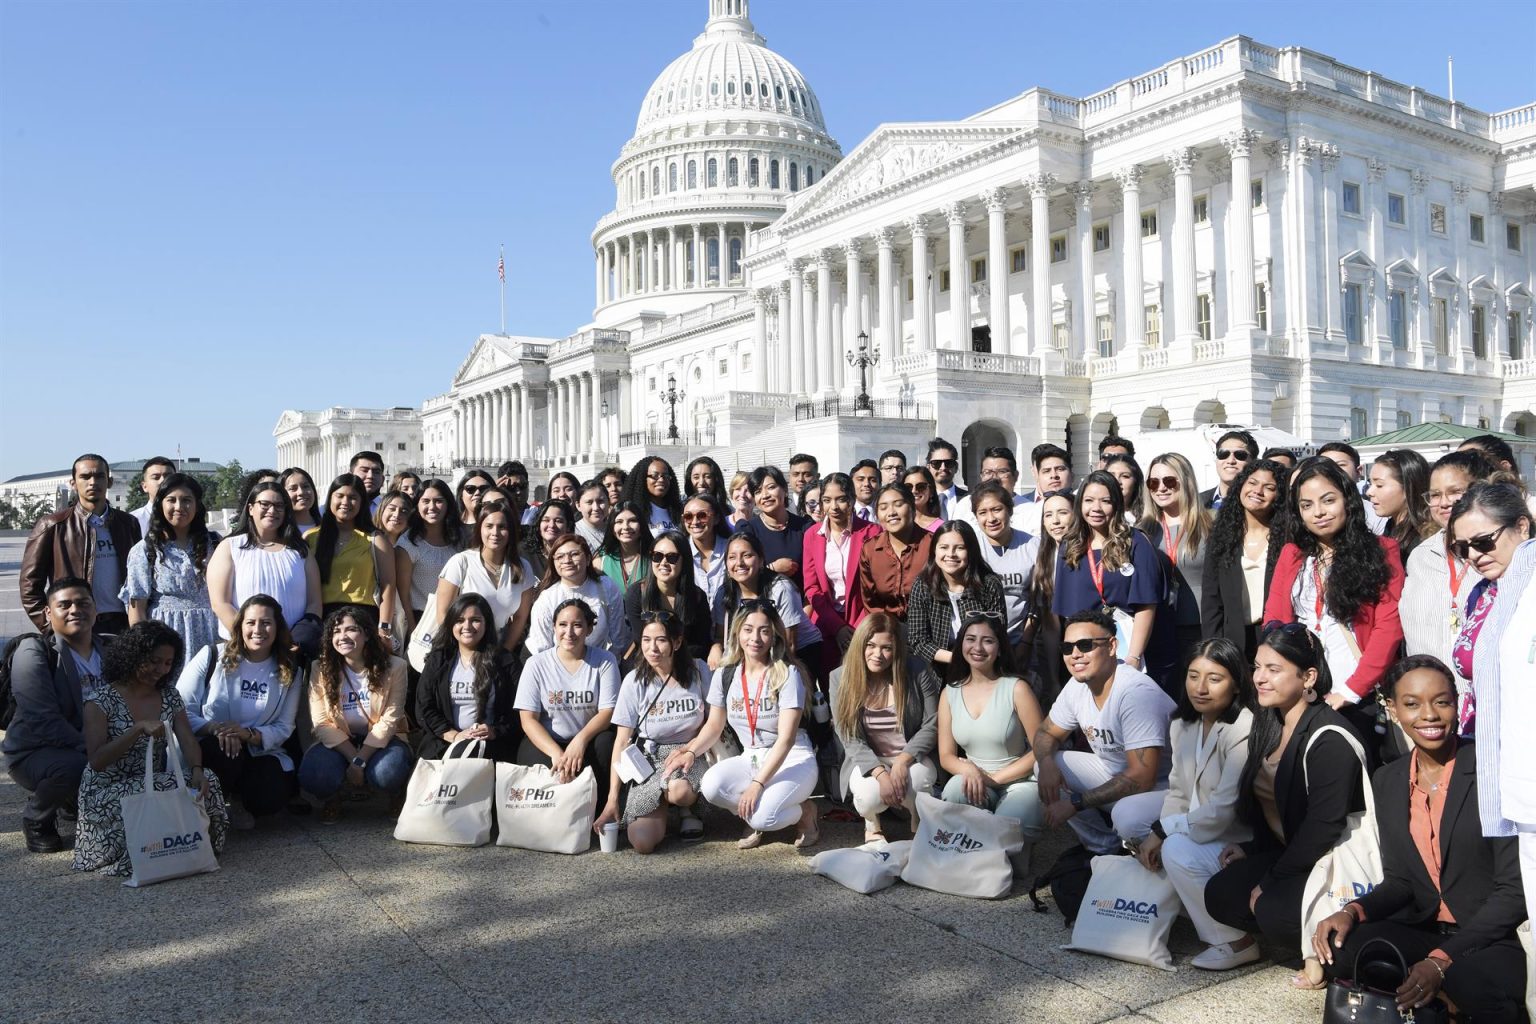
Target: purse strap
x,y
649,708
1354,744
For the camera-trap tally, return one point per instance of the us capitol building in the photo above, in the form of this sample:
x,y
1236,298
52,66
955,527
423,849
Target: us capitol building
x,y
1246,234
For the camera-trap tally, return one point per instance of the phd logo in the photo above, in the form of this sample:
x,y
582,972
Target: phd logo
x,y
957,842
444,794
530,797
685,706
250,689
1137,911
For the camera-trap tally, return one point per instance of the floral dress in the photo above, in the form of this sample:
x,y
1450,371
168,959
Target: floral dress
x,y
100,841
177,593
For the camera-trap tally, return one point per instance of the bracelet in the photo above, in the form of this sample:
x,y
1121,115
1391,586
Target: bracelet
x,y
755,782
1436,963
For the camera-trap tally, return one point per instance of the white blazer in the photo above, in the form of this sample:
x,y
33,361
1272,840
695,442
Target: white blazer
x,y
1209,775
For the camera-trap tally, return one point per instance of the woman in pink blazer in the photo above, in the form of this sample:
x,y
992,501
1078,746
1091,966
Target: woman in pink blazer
x,y
835,544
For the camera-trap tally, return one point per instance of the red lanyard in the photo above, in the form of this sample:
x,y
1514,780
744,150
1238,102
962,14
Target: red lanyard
x,y
1171,535
1317,582
1456,577
749,701
1096,570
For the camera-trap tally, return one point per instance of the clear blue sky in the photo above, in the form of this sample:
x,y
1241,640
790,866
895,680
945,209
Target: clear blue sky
x,y
211,212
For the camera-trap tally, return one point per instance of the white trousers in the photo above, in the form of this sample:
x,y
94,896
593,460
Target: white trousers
x,y
865,791
1190,865
1102,828
779,804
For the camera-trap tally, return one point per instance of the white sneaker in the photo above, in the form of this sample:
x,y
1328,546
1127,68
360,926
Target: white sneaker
x,y
1222,957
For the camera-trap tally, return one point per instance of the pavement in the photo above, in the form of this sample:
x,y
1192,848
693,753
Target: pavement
x,y
315,923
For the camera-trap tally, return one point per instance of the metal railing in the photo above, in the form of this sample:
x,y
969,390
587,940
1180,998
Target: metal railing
x,y
659,438
879,408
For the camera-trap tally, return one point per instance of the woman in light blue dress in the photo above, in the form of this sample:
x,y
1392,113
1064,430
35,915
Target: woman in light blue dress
x,y
168,569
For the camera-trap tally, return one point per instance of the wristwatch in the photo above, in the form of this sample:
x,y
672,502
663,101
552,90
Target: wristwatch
x,y
358,762
1076,800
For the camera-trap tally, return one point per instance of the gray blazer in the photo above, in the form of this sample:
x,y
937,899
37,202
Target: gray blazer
x,y
920,724
50,708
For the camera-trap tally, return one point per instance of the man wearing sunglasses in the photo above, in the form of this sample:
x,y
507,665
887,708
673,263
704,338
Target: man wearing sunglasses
x,y
1234,450
1115,792
1114,444
944,463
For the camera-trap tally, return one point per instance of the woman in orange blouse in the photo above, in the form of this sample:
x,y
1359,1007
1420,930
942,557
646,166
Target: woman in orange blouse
x,y
890,561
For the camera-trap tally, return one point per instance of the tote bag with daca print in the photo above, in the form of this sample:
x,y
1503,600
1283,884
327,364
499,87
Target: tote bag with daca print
x,y
167,830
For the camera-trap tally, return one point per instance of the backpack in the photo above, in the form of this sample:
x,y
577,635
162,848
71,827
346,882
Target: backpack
x,y
7,698
1068,879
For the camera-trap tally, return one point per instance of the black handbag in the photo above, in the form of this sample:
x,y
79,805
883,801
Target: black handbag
x,y
1373,999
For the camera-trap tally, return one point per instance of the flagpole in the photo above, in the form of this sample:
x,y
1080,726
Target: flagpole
x,y
501,272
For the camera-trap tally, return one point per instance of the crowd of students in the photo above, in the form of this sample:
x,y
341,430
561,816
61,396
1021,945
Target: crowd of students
x,y
1198,677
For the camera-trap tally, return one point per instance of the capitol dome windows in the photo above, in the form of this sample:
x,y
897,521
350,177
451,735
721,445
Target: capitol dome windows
x,y
693,174
730,88
762,89
810,175
714,88
672,177
773,174
732,173
735,264
711,174
752,172
794,177
642,184
778,93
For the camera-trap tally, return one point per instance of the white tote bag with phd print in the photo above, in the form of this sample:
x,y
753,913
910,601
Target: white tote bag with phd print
x,y
448,801
866,869
1353,867
421,637
536,811
1127,913
963,850
167,830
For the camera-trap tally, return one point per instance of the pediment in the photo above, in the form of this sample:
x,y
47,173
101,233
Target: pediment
x,y
484,358
1481,283
1517,292
288,420
1443,275
893,156
1402,268
1356,258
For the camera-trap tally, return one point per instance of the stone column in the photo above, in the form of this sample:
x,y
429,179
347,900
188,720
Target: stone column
x,y
599,440
796,328
498,426
1133,324
1240,229
886,288
722,262
760,340
598,268
673,277
1039,186
1087,319
1182,163
515,409
996,200
825,378
959,280
1329,160
922,312
1377,340
783,345
551,390
588,417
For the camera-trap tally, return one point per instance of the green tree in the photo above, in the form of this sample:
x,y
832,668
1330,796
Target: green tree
x,y
22,512
222,489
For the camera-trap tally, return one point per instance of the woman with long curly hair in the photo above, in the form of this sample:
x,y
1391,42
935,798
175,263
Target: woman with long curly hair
x,y
357,705
549,522
1240,559
1342,582
652,485
168,569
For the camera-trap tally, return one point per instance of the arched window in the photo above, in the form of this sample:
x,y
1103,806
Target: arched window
x,y
656,181
712,266
672,177
752,172
732,173
773,174
794,177
810,175
730,87
693,174
711,174
735,263
642,184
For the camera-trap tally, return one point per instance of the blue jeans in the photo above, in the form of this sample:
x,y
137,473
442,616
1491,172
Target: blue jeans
x,y
323,770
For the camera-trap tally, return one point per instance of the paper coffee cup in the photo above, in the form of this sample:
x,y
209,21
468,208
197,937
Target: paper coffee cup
x,y
610,838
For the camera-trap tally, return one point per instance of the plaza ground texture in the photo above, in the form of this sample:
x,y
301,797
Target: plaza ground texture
x,y
314,923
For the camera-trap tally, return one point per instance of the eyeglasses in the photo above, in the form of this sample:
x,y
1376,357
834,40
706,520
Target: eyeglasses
x,y
568,556
1434,498
1482,545
657,478
1163,483
892,467
267,506
665,558
949,464
812,504
1084,646
1240,454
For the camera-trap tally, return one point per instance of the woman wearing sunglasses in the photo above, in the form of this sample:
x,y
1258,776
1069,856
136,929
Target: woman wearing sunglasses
x,y
1298,788
925,494
1179,526
669,587
1240,558
652,486
1341,581
704,523
625,554
570,575
956,585
474,484
660,709
1434,604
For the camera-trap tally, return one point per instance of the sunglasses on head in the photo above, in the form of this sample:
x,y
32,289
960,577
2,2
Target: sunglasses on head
x,y
1482,545
665,558
1292,629
1085,645
972,617
1240,454
663,617
755,604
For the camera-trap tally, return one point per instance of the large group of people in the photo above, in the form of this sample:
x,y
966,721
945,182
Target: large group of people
x,y
1203,678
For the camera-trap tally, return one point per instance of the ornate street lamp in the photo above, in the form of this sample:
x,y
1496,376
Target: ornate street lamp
x,y
673,397
864,358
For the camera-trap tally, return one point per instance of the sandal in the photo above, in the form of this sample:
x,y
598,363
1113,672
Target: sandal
x,y
1310,978
874,836
751,841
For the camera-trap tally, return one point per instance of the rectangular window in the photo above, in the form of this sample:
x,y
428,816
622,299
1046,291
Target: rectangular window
x,y
725,367
1404,419
400,446
652,384
1261,306
1357,424
1480,331
1058,248
1153,330
1203,315
1516,335
1352,327
1483,423
1100,237
1512,237
1349,198
1396,209
1148,223
944,280
746,362
1202,209
1106,333
1256,192
1061,337
909,289
1437,218
1475,227
1397,317
1018,260
1438,313
978,270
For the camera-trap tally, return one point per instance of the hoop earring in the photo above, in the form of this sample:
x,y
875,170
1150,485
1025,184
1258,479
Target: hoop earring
x,y
1309,695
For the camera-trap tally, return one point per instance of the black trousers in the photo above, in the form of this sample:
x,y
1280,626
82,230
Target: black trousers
x,y
51,777
1487,986
1278,913
257,780
598,756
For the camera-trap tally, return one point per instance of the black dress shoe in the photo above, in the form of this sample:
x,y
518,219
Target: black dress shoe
x,y
42,837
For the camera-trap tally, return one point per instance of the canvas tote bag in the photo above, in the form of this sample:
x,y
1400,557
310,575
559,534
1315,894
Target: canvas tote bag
x,y
421,637
448,801
1127,913
167,830
1353,867
962,850
535,811
866,869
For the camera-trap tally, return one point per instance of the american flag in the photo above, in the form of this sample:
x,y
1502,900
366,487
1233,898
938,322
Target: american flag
x,y
501,268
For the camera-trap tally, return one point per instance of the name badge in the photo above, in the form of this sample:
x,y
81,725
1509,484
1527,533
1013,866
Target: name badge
x,y
1127,569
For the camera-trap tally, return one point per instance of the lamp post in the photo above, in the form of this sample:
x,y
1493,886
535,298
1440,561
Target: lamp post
x,y
864,358
673,397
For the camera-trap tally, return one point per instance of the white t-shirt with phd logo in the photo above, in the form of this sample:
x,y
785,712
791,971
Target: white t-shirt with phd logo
x,y
677,714
461,687
1134,717
750,689
567,701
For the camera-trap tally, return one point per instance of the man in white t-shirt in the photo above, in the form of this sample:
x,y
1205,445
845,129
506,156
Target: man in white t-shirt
x,y
1115,792
155,472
